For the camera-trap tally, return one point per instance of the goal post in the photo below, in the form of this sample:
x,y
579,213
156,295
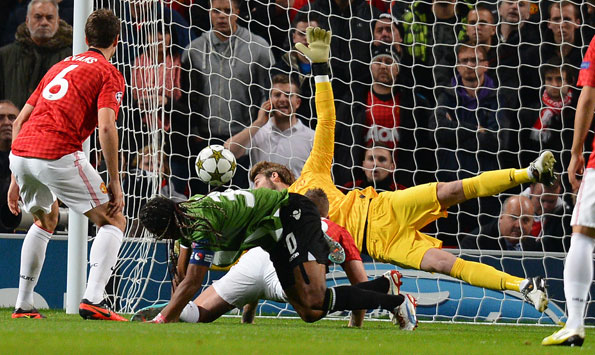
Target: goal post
x,y
77,223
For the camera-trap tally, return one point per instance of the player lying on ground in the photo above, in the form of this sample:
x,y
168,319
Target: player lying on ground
x,y
254,278
387,225
47,162
578,267
222,225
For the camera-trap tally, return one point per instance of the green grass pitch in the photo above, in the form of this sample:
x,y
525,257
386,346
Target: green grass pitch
x,y
67,334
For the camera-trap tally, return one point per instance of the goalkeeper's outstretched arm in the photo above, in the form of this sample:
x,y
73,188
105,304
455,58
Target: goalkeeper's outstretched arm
x,y
318,51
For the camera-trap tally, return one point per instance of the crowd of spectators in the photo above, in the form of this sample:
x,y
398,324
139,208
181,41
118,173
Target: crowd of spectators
x,y
425,91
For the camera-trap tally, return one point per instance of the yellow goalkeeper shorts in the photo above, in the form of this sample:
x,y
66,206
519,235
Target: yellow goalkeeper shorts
x,y
394,221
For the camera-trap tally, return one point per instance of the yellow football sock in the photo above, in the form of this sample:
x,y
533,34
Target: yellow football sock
x,y
481,275
494,182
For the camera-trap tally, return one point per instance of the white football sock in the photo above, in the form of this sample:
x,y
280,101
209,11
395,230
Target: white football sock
x,y
32,257
102,258
190,313
578,274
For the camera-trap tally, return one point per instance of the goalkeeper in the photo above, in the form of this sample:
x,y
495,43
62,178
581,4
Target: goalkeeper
x,y
387,225
222,225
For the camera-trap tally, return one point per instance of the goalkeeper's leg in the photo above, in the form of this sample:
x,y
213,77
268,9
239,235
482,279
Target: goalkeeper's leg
x,y
481,275
494,182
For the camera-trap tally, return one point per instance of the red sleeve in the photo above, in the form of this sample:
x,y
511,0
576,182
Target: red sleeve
x,y
35,95
111,92
586,76
342,236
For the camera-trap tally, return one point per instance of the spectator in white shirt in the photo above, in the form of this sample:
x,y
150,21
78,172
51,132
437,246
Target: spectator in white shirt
x,y
277,135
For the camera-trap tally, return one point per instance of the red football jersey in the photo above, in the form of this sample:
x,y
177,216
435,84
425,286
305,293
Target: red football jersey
x,y
342,236
66,103
586,77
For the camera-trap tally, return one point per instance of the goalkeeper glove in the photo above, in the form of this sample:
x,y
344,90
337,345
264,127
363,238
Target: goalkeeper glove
x,y
319,45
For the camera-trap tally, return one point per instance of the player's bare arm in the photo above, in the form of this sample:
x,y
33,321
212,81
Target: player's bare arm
x,y
238,143
582,122
13,191
356,273
108,138
184,293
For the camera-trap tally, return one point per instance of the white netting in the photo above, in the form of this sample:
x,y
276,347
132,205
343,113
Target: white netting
x,y
179,100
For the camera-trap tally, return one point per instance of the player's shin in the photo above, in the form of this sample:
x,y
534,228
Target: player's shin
x,y
32,258
493,182
341,298
578,274
485,276
102,259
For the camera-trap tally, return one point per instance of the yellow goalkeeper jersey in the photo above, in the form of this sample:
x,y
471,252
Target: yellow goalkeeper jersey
x,y
348,210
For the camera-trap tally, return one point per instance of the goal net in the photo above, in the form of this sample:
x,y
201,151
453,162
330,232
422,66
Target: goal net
x,y
425,91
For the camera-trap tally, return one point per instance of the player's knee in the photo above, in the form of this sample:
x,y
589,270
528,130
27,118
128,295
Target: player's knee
x,y
313,300
310,315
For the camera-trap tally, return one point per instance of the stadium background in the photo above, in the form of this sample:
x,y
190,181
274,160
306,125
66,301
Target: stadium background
x,y
175,129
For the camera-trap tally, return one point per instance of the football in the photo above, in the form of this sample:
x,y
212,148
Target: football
x,y
215,165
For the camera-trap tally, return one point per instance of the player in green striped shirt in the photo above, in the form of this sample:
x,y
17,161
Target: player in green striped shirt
x,y
223,224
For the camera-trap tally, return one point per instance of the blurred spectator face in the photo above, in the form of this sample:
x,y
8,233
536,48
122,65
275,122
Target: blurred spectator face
x,y
160,41
299,35
285,100
545,200
554,83
224,16
387,33
378,164
471,66
514,11
42,21
8,113
385,70
516,219
480,26
564,24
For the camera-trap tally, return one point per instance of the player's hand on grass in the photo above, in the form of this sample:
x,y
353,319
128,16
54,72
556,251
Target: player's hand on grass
x,y
319,45
116,198
576,166
13,197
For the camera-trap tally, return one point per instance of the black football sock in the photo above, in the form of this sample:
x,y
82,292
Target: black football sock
x,y
342,298
380,284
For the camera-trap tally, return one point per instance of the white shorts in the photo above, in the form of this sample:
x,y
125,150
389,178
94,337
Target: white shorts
x,y
584,210
251,279
71,178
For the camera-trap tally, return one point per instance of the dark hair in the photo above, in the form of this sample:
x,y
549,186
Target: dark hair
x,y
562,4
318,196
286,79
305,17
478,8
158,217
234,3
166,219
476,48
8,102
555,64
102,28
267,168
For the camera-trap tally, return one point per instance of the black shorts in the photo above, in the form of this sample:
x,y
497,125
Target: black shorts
x,y
302,239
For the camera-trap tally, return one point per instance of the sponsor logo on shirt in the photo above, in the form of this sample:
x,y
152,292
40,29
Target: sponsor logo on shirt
x,y
119,96
293,256
585,65
297,214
